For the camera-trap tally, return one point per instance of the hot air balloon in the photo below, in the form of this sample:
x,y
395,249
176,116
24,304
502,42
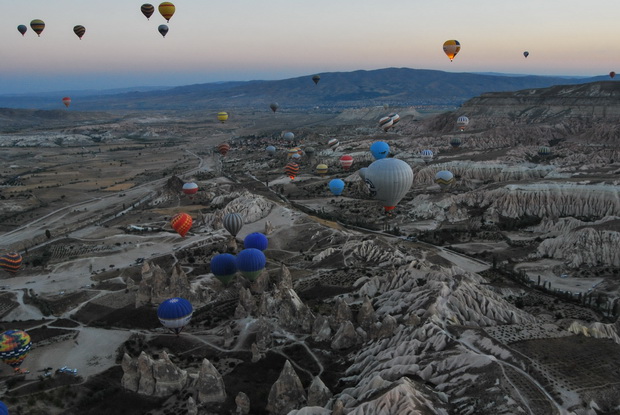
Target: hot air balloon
x,y
322,169
455,142
274,106
190,188
175,313
233,222
444,178
544,151
251,262
293,152
37,25
163,29
22,29
462,122
256,240
3,409
271,150
316,79
291,170
386,123
223,149
427,155
389,180
362,173
451,48
336,186
181,222
66,101
379,149
288,136
222,117
167,9
147,10
346,161
11,262
612,74
224,267
395,118
14,346
309,151
333,143
79,31
526,53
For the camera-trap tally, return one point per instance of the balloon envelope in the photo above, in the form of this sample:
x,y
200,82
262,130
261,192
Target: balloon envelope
x,y
389,180
427,155
79,31
147,10
11,262
274,106
167,9
222,116
291,170
336,186
14,346
316,79
163,29
190,188
271,150
612,74
3,409
322,168
289,136
379,149
526,53
37,25
181,222
223,149
175,313
333,143
224,267
444,178
346,161
233,222
22,29
66,101
455,142
451,48
462,122
251,263
544,151
256,240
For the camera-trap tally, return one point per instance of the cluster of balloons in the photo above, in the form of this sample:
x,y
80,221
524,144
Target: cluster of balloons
x,y
166,9
389,121
11,262
37,26
250,262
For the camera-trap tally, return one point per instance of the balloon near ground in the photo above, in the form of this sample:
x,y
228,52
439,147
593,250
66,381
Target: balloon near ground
x,y
612,74
251,262
37,25
233,222
11,262
181,223
346,161
224,267
289,136
271,150
389,180
175,313
167,9
336,186
451,48
223,149
333,143
14,346
427,155
322,169
222,117
379,150
395,118
256,240
544,151
147,10
444,178
456,142
386,123
79,31
291,170
462,122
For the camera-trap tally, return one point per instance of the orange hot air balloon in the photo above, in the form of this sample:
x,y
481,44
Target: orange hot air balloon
x,y
181,222
291,170
223,148
66,101
167,9
451,48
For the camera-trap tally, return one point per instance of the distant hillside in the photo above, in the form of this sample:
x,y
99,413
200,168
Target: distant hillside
x,y
336,90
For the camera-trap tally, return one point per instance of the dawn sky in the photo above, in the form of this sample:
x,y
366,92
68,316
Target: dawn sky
x,y
275,39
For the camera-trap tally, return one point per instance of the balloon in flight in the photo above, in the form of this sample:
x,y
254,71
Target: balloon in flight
x,y
271,150
3,409
22,29
37,25
444,178
147,10
309,151
233,222
251,262
336,186
291,170
224,267
427,155
379,149
316,79
526,53
544,151
274,106
79,31
389,180
612,74
386,123
175,313
289,136
322,169
223,149
462,122
66,101
181,222
190,188
166,9
456,142
451,48
222,117
11,262
395,118
346,161
14,346
333,143
163,29
256,240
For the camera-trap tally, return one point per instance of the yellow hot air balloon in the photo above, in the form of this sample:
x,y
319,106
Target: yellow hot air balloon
x,y
167,9
222,117
37,26
451,48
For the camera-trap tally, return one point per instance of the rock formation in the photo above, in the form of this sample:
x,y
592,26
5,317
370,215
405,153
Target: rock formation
x,y
210,384
151,377
287,393
156,286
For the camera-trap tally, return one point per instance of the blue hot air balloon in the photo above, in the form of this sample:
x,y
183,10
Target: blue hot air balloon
x,y
380,150
427,155
336,186
175,313
224,267
251,262
256,240
3,409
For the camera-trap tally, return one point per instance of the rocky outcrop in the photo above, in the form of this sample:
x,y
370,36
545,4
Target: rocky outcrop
x,y
318,393
345,337
243,404
596,330
210,384
585,246
146,376
156,285
287,393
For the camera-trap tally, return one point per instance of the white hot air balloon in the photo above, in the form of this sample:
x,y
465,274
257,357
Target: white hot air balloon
x,y
389,180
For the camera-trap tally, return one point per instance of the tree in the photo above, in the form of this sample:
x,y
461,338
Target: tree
x,y
48,234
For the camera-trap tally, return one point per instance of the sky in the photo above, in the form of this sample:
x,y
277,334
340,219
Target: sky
x,y
239,40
